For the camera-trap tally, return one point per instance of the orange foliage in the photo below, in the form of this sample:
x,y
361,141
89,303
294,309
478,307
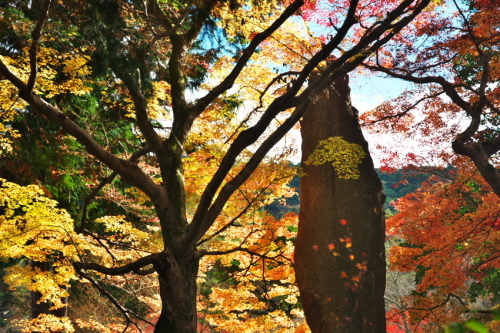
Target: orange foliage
x,y
448,234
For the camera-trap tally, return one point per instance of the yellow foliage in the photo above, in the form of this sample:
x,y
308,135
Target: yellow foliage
x,y
302,328
344,156
247,19
51,284
230,307
9,104
30,216
92,325
288,50
156,102
73,64
122,229
46,323
33,227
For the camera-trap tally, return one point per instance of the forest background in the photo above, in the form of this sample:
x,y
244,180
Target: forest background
x,y
140,157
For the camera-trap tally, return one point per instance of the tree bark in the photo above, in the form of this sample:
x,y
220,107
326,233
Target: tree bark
x,y
339,254
177,276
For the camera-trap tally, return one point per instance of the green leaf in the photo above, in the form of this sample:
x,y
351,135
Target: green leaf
x,y
476,326
454,328
496,314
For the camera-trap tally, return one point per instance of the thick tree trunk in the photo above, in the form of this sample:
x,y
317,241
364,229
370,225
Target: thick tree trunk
x,y
177,277
339,254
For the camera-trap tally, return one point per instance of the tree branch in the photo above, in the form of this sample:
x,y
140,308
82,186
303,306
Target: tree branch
x,y
448,87
129,171
125,312
170,26
479,153
249,136
140,104
448,298
183,116
243,211
206,213
128,268
236,249
228,82
399,115
201,223
36,35
135,156
361,51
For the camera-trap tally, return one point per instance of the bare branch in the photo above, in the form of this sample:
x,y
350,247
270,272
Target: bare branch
x,y
399,115
100,240
125,312
448,298
242,249
448,88
135,156
231,223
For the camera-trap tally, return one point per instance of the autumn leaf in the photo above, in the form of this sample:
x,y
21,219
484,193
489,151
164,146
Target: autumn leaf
x,y
344,156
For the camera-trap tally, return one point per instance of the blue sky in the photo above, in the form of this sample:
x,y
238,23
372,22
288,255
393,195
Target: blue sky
x,y
369,91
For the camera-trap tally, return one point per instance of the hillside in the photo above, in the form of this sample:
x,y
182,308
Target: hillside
x,y
397,183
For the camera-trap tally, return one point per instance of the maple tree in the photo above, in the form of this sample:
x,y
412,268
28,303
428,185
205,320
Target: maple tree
x,y
196,161
448,234
452,60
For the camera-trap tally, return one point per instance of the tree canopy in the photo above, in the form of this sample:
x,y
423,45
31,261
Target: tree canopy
x,y
161,129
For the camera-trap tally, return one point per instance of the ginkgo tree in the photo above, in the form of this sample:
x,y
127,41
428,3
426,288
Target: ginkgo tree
x,y
166,68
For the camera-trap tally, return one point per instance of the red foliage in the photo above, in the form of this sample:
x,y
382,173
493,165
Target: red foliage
x,y
449,231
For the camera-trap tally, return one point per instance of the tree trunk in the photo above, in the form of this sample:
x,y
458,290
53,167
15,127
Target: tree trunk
x,y
339,253
177,276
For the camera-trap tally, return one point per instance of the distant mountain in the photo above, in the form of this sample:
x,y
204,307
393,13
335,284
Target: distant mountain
x,y
396,182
